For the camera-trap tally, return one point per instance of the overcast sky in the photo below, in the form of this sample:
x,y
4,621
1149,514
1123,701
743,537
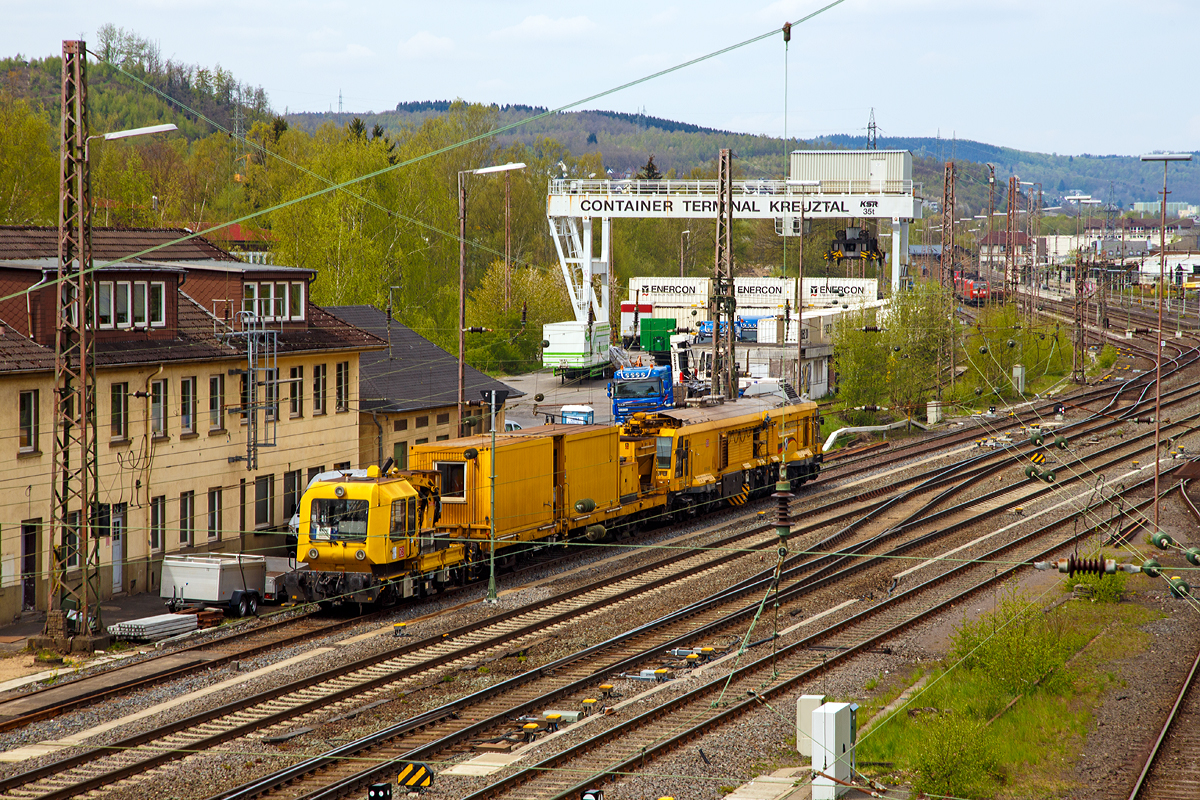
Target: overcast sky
x,y
1065,76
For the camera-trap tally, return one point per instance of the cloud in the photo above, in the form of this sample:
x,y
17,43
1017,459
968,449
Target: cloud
x,y
426,45
540,27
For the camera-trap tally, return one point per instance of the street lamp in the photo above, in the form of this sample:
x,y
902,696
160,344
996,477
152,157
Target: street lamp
x,y
681,235
462,271
1165,158
801,185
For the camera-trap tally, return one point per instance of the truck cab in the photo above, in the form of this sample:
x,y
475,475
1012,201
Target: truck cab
x,y
641,390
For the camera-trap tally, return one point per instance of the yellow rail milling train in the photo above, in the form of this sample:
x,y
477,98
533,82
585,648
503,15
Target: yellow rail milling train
x,y
388,536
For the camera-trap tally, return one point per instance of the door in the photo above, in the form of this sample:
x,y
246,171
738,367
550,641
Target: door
x,y
877,174
118,547
29,564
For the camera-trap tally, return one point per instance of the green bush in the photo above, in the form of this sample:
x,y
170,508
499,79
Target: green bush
x,y
1013,646
1105,588
1107,357
955,758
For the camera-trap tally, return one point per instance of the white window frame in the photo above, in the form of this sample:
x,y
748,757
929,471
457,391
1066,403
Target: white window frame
x,y
141,294
122,292
158,400
275,301
187,405
156,310
459,465
103,305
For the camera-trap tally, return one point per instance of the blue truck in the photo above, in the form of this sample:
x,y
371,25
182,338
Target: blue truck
x,y
641,389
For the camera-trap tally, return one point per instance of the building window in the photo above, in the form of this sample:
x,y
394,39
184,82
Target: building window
x,y
274,301
121,304
422,422
341,466
158,408
443,419
342,377
400,425
443,438
216,402
244,394
296,386
420,441
313,472
119,411
454,481
400,454
271,392
158,305
70,541
158,521
125,304
187,405
104,304
29,421
187,517
264,497
214,513
293,486
319,389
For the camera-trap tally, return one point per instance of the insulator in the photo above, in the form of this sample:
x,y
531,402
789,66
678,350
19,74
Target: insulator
x,y
1060,442
1193,556
1032,472
1037,440
1144,420
1151,567
1048,476
983,350
1179,587
978,391
1087,566
1162,540
1011,343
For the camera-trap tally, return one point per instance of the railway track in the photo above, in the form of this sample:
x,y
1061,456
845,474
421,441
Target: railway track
x,y
441,734
1172,768
634,743
56,780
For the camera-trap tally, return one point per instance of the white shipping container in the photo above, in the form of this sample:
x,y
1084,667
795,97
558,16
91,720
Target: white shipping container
x,y
685,320
643,310
670,291
764,292
825,291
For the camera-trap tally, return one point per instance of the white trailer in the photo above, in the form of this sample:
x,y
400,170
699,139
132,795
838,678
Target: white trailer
x,y
576,349
232,580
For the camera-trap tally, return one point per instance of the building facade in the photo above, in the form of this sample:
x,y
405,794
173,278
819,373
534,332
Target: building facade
x,y
195,452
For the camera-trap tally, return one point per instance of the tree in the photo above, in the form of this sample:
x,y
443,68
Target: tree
x,y
28,165
511,347
649,172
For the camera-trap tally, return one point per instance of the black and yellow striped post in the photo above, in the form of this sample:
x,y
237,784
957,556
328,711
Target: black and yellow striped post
x,y
414,776
1038,458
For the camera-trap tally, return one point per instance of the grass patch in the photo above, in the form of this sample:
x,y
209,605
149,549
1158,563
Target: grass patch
x,y
943,742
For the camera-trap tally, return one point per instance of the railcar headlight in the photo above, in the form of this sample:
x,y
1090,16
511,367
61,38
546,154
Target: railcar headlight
x,y
340,491
360,555
312,554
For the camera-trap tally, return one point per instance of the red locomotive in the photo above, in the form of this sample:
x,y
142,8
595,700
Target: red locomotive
x,y
970,289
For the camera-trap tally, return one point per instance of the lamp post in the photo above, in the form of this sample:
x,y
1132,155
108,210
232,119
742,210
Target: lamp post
x,y
1166,159
493,397
681,235
462,271
801,185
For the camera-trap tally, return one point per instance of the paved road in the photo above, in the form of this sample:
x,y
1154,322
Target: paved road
x,y
556,393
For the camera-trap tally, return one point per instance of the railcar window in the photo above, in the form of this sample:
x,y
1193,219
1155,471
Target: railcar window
x,y
638,389
339,520
399,523
454,481
664,452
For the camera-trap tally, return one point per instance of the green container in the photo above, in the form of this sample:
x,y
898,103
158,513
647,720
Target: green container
x,y
656,334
